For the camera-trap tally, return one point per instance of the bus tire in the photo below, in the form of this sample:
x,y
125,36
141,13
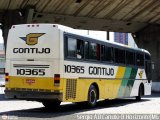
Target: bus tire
x,y
92,96
140,93
51,104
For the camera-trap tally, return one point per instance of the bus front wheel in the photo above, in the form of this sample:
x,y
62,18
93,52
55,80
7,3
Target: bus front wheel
x,y
92,96
51,104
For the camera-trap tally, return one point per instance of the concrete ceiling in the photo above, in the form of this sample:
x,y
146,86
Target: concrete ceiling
x,y
110,15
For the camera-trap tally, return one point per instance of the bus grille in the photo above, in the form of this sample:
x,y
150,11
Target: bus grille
x,y
71,89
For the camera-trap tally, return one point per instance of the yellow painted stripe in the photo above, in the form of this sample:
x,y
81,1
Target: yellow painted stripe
x,y
117,82
120,72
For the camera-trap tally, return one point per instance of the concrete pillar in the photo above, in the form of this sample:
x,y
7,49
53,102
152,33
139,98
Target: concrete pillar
x,y
10,18
149,39
14,17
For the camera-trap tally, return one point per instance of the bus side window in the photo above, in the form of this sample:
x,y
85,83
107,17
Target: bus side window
x,y
139,59
103,56
80,49
106,53
98,51
71,47
112,54
109,54
119,56
94,51
86,50
130,58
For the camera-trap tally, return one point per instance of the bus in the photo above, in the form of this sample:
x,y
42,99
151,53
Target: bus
x,y
51,63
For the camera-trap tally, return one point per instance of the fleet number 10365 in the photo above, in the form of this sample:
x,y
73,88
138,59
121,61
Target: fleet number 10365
x,y
34,72
74,69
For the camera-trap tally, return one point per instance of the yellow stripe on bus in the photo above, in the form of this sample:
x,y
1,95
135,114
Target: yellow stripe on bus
x,y
117,82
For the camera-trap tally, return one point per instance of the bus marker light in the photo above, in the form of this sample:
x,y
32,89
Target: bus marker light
x,y
57,80
6,77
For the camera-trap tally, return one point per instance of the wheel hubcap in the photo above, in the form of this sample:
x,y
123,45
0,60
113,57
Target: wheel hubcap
x,y
92,96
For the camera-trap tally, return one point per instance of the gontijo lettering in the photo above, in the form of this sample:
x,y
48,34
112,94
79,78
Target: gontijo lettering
x,y
32,39
32,50
101,71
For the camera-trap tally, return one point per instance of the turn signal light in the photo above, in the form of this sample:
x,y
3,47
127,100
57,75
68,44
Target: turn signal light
x,y
6,77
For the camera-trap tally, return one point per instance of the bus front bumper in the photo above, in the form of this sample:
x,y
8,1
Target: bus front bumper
x,y
33,95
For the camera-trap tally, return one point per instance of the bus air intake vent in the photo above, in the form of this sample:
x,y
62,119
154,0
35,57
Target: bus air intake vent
x,y
71,89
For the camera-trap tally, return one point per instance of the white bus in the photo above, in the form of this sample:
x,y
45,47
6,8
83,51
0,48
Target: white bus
x,y
51,64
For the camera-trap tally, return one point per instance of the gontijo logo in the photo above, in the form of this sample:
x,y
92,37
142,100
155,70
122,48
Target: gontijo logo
x,y
140,74
32,38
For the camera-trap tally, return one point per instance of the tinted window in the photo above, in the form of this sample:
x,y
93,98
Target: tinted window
x,y
72,47
119,56
103,56
106,53
75,48
147,57
109,56
86,50
80,49
94,51
139,59
130,58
